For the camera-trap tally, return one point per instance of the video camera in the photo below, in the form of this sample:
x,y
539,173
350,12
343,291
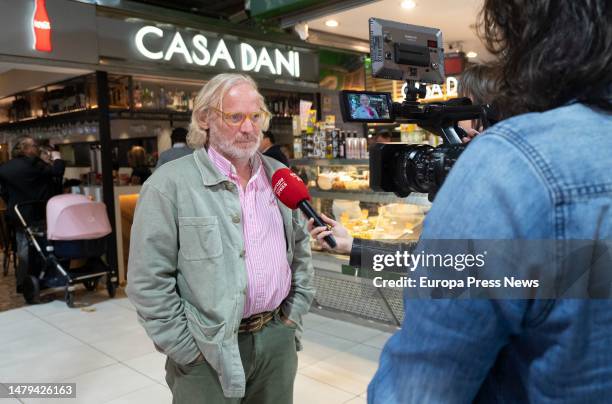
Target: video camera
x,y
415,55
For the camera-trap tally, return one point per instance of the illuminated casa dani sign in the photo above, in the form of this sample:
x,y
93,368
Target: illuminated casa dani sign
x,y
152,43
435,91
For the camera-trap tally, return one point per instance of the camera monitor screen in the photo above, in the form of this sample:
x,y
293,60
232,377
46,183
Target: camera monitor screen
x,y
366,106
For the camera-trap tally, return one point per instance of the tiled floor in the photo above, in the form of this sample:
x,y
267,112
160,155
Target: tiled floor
x,y
102,348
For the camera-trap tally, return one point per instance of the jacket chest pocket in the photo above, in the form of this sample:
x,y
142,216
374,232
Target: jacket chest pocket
x,y
199,238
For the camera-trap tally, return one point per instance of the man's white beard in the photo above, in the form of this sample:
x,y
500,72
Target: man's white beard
x,y
232,151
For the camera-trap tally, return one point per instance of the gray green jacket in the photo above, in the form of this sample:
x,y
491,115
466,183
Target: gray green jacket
x,y
187,274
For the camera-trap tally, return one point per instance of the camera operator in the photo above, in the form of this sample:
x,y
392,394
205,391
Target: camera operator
x,y
479,83
541,174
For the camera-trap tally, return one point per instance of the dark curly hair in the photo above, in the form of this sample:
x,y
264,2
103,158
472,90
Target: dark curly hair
x,y
549,52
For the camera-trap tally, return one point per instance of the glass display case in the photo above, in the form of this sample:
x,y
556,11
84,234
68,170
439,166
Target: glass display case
x,y
340,189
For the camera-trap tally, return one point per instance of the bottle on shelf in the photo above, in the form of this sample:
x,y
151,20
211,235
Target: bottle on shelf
x,y
162,98
328,144
153,103
185,101
148,98
356,152
80,95
320,142
349,145
363,148
311,143
297,147
315,141
138,96
176,100
306,144
335,144
342,145
323,142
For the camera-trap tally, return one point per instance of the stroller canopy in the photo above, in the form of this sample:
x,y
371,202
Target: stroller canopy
x,y
75,217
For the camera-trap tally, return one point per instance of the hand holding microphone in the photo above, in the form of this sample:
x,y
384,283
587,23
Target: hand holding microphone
x,y
291,191
343,238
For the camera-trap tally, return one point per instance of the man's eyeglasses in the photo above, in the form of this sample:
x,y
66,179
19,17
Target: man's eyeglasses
x,y
238,118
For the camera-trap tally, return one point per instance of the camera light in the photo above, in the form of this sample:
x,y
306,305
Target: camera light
x,y
408,4
331,23
472,54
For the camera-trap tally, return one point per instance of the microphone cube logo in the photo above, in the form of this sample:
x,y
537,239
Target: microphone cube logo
x,y
280,186
41,25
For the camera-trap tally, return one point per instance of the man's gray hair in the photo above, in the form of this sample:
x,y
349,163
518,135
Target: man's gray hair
x,y
211,96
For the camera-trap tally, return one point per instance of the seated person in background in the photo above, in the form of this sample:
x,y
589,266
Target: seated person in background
x,y
179,147
27,178
137,160
268,148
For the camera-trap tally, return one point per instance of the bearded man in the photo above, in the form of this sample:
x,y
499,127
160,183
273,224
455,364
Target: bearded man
x,y
220,273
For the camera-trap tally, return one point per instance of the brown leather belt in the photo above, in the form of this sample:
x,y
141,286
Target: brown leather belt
x,y
257,321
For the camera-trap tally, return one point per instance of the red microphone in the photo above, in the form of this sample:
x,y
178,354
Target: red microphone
x,y
292,192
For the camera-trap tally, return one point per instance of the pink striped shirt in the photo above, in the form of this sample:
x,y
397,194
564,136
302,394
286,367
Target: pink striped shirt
x,y
268,272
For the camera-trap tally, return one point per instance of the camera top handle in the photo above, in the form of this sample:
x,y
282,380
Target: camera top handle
x,y
440,118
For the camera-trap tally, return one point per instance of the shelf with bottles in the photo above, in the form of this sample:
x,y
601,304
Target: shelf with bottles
x,y
118,92
150,115
149,94
330,162
325,142
65,97
285,105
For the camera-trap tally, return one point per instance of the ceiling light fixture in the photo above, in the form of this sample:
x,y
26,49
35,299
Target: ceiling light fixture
x,y
408,4
472,54
331,23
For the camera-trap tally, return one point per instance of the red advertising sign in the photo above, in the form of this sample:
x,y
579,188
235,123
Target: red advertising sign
x,y
42,27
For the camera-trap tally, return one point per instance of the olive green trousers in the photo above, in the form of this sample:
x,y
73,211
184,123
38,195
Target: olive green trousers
x,y
269,359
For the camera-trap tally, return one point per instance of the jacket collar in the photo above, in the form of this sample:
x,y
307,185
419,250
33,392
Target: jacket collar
x,y
211,176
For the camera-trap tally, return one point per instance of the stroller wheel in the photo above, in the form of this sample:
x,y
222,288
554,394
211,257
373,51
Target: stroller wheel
x,y
92,284
69,297
110,287
31,290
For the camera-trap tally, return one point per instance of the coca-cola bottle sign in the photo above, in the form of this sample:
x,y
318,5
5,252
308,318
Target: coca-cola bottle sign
x,y
42,27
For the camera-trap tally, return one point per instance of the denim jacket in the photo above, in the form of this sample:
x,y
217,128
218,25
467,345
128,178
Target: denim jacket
x,y
545,176
187,274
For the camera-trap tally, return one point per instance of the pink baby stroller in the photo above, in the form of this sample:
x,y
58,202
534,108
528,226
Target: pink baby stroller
x,y
77,232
